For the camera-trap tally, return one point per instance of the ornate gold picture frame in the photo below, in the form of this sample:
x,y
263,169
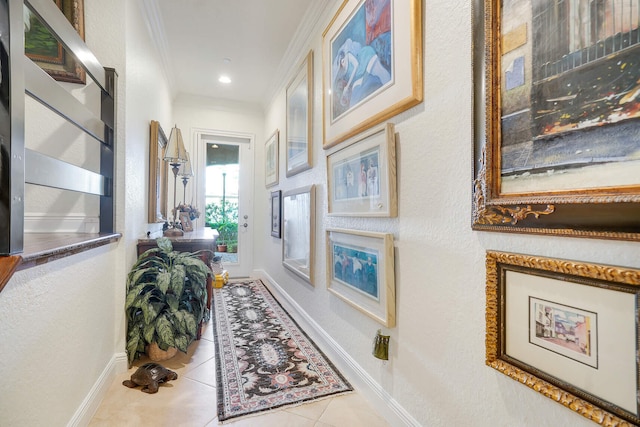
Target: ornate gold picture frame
x,y
158,174
569,330
557,147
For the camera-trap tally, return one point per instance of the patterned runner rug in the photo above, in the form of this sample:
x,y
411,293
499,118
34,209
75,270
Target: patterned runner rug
x,y
264,360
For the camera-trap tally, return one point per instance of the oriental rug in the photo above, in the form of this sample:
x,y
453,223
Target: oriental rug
x,y
264,360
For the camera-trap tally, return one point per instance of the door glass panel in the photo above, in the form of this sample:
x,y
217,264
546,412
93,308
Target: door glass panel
x,y
221,197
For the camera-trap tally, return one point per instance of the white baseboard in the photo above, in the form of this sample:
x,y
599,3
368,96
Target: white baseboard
x,y
377,396
89,406
41,223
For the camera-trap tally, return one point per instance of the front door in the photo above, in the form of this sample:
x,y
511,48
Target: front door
x,y
227,161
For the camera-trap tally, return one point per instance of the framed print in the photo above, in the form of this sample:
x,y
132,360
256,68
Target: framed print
x,y
271,159
44,49
557,144
298,222
362,176
158,174
371,65
276,213
185,221
568,330
360,271
299,118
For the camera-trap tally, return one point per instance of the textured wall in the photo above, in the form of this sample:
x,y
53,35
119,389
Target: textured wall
x,y
436,369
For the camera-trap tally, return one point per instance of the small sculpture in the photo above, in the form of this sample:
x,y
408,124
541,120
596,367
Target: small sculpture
x,y
149,376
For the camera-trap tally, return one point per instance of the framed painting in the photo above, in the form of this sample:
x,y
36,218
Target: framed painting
x,y
567,329
158,174
271,159
276,213
299,118
557,144
43,48
362,176
360,271
185,221
298,222
372,65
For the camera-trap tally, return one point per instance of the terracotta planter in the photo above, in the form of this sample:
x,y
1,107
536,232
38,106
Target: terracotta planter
x,y
156,354
222,248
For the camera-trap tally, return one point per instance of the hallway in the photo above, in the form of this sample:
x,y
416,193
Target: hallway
x,y
190,400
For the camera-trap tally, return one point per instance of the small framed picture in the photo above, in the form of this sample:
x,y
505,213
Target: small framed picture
x,y
360,271
362,176
271,159
298,213
568,330
276,213
185,221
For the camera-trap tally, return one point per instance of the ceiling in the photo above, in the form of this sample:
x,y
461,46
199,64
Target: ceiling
x,y
247,40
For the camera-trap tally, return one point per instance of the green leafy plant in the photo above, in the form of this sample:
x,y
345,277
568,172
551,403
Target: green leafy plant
x,y
166,299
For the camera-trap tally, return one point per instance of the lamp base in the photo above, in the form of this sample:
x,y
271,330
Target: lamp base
x,y
173,232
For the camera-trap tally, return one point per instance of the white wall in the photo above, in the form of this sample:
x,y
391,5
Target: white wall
x,y
436,370
63,330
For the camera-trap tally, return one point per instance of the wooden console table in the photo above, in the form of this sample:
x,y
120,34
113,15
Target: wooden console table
x,y
203,239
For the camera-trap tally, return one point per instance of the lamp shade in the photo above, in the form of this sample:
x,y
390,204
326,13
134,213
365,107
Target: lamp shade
x,y
185,168
175,152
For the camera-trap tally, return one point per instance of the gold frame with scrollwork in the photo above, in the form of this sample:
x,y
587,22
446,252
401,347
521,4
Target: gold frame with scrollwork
x,y
609,278
611,212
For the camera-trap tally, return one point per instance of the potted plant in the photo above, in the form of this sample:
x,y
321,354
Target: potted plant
x,y
166,300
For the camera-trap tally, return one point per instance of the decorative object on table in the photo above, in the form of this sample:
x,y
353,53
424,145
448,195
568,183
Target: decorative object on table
x,y
558,150
166,299
372,65
299,144
298,222
187,214
360,271
175,155
258,369
271,154
568,330
47,52
381,346
361,178
185,172
157,174
185,221
276,213
150,376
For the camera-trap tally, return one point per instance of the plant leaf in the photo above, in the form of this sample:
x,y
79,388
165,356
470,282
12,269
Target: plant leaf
x,y
177,279
163,281
165,333
182,342
173,302
164,244
191,324
149,332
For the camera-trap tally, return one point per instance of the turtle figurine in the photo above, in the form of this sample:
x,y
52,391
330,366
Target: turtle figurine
x,y
149,376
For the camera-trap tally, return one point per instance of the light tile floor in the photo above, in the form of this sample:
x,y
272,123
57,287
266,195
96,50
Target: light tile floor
x,y
190,401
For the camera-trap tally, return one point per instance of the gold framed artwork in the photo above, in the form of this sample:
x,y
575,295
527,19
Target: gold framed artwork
x,y
158,174
361,177
298,231
556,147
299,150
271,159
360,271
371,65
45,50
568,330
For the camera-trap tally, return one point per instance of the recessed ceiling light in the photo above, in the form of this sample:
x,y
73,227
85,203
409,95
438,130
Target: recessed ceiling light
x,y
224,79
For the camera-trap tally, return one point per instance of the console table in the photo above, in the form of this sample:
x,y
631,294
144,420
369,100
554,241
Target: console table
x,y
203,239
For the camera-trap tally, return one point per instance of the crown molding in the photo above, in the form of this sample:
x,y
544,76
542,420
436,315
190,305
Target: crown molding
x,y
155,26
318,13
